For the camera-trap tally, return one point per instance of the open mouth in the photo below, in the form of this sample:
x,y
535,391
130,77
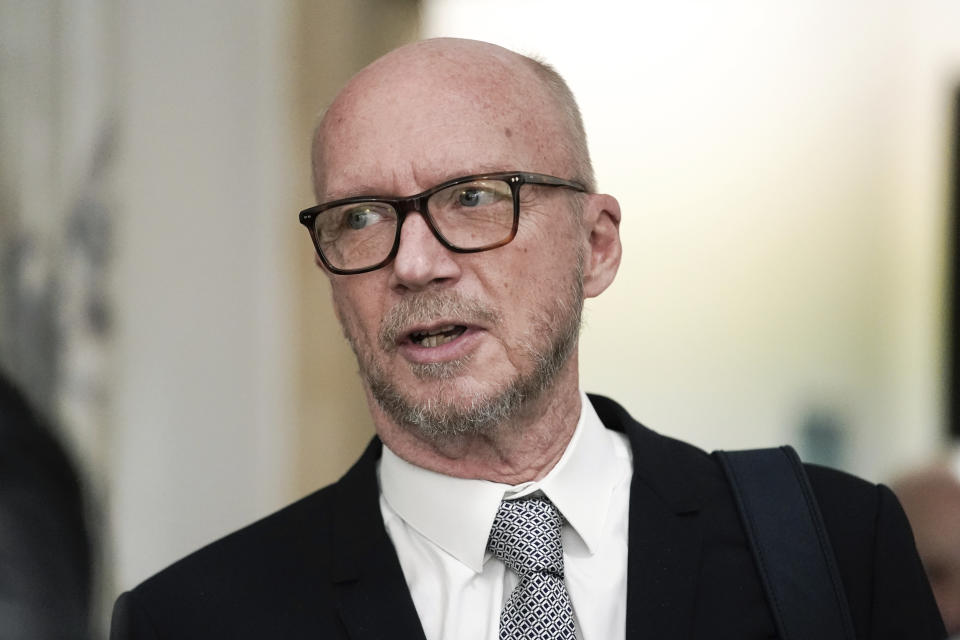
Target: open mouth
x,y
438,336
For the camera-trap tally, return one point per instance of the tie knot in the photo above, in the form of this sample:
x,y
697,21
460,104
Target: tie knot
x,y
526,536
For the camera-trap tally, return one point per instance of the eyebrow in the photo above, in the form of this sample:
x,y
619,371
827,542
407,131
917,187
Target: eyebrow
x,y
373,192
354,192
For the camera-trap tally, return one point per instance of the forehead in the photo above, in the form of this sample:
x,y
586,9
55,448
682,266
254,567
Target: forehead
x,y
408,124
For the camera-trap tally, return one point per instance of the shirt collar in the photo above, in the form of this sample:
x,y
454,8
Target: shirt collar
x,y
456,513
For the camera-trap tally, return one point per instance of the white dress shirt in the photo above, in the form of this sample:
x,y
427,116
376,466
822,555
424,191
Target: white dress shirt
x,y
439,526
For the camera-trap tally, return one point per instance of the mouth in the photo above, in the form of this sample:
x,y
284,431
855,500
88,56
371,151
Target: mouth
x,y
430,338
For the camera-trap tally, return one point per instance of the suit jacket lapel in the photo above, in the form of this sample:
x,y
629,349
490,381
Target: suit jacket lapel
x,y
665,534
372,594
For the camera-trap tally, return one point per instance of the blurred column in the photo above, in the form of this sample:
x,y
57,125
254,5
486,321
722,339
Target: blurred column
x,y
203,419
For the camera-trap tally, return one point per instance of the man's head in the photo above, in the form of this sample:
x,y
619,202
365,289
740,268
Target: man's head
x,y
498,81
457,343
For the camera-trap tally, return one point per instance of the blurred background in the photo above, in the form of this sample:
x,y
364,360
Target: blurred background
x,y
787,173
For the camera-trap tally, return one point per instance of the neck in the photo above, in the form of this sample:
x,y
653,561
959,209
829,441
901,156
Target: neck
x,y
520,450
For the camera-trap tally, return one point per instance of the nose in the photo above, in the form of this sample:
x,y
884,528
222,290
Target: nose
x,y
421,260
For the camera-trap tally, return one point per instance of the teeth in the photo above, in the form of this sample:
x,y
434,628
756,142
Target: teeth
x,y
446,329
436,340
438,336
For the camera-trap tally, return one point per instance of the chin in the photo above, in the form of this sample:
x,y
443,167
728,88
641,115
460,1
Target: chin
x,y
439,371
453,407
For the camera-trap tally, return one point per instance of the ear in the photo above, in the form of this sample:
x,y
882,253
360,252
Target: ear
x,y
601,219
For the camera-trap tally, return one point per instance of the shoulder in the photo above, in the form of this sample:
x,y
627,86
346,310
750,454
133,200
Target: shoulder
x,y
272,578
250,574
885,584
887,588
257,547
685,471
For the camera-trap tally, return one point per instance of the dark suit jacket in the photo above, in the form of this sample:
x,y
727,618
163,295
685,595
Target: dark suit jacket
x,y
324,567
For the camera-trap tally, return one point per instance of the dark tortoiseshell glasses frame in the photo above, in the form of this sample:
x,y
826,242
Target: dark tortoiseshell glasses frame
x,y
418,204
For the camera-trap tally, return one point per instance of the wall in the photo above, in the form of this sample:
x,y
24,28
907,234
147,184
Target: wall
x,y
203,422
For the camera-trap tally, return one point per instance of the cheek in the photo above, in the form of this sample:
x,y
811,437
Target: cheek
x,y
341,306
534,276
355,311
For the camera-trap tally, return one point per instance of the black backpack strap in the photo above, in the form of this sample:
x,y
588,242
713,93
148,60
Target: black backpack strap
x,y
789,542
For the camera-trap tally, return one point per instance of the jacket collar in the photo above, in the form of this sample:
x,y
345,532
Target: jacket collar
x,y
658,461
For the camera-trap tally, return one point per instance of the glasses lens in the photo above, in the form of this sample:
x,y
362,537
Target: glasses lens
x,y
356,235
473,215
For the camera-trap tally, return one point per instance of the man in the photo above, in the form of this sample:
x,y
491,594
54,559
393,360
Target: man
x,y
460,229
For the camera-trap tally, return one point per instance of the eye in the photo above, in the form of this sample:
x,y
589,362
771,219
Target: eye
x,y
476,196
361,217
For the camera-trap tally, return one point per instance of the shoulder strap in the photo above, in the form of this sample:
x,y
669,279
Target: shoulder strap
x,y
789,542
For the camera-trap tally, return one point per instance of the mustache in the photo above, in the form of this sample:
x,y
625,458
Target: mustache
x,y
426,307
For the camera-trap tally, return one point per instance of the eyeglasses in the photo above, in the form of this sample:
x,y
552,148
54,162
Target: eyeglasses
x,y
467,215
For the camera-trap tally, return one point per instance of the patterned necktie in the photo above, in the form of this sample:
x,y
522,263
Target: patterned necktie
x,y
526,537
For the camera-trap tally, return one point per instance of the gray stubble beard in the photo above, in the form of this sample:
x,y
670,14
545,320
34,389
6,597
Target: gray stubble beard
x,y
442,421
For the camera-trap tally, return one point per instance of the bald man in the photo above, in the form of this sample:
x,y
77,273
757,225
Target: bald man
x,y
460,227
